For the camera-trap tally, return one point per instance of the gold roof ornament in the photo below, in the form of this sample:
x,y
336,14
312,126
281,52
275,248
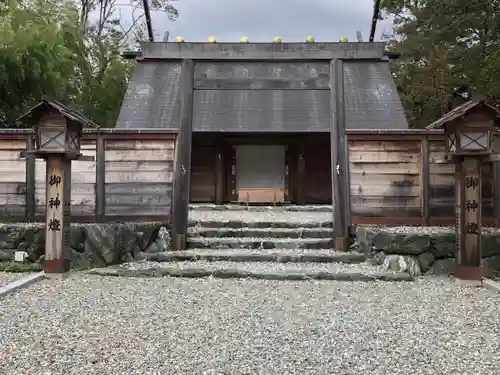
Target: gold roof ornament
x,y
310,39
212,39
344,39
244,39
277,39
179,39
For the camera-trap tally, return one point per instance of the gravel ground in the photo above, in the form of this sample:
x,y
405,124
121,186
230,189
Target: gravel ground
x,y
94,325
258,266
298,217
8,277
425,230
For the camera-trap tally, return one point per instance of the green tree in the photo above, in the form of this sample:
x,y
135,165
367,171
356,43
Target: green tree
x,y
38,41
70,51
450,53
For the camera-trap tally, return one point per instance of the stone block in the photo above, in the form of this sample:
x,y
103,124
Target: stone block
x,y
407,243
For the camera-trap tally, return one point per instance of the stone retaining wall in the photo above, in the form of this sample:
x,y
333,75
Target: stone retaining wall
x,y
422,250
92,245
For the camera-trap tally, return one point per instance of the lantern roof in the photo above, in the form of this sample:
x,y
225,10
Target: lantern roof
x,y
34,114
463,110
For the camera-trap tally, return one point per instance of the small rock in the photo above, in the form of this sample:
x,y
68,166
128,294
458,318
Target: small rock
x,y
402,263
444,245
378,258
490,245
425,261
442,267
491,265
162,242
6,255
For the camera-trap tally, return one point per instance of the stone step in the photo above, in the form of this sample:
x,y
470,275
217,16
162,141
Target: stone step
x,y
259,243
254,270
262,232
275,255
238,224
260,208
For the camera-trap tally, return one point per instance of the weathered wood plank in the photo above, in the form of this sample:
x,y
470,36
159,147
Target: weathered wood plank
x,y
139,176
389,179
159,145
13,188
137,210
16,174
383,157
382,189
76,210
139,188
7,210
386,206
137,200
12,144
76,188
87,199
377,146
11,155
378,169
142,166
12,199
139,155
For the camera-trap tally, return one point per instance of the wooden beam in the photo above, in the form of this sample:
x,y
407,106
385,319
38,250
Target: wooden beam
x,y
425,182
182,162
100,200
30,179
496,192
262,51
340,159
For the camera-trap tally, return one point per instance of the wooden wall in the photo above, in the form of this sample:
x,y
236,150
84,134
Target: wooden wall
x,y
130,178
12,178
138,178
385,178
397,177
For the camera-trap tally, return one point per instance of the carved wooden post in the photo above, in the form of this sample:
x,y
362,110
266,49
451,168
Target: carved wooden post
x,y
58,130
57,228
469,131
468,228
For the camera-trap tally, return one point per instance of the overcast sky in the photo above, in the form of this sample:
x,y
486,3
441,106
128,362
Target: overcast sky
x,y
262,20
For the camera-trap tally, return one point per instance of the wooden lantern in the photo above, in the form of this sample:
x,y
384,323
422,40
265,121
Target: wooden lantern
x,y
469,133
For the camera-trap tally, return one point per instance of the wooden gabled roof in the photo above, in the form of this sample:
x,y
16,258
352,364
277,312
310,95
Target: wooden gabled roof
x,y
462,110
34,113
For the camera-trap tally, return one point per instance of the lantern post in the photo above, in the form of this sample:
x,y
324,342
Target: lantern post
x,y
469,132
58,132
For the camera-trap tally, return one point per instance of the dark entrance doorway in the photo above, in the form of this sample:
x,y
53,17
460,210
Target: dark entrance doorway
x,y
261,169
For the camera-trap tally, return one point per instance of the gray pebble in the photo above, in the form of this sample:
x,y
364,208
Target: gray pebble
x,y
95,325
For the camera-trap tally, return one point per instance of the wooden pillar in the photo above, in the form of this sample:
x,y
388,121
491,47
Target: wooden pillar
x,y
341,200
468,231
100,178
425,173
182,166
58,206
30,179
496,192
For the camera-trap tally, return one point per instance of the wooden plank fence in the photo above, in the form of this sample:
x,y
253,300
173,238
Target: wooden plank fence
x,y
129,180
396,178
